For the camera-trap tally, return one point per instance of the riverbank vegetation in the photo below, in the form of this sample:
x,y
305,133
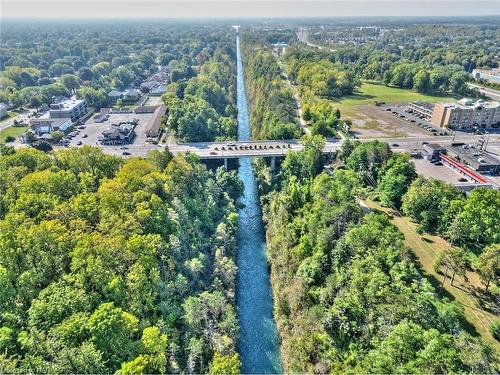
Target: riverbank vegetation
x,y
272,107
113,266
349,296
203,108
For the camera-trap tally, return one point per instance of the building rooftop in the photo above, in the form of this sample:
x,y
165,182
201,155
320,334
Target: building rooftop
x,y
474,156
132,92
67,104
434,146
54,122
114,93
154,125
425,105
466,103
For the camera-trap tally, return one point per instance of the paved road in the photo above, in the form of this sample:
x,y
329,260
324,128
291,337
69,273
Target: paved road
x,y
303,34
216,150
491,93
9,121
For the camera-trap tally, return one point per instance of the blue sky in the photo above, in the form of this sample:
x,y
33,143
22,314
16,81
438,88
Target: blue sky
x,y
243,8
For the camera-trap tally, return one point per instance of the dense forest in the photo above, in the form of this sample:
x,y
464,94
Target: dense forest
x,y
41,61
349,296
273,111
118,266
203,108
427,58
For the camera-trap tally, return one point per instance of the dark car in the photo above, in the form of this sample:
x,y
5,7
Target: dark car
x,y
395,145
125,153
462,179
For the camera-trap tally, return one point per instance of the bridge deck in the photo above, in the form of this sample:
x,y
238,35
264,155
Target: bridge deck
x,y
238,149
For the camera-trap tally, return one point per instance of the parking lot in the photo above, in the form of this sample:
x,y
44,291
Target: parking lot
x,y
372,121
413,119
91,131
436,170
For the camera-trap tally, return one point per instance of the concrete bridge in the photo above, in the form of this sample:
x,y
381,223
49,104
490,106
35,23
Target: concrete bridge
x,y
239,149
278,148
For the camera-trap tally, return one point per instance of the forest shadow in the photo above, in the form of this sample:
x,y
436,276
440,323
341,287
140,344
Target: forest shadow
x,y
443,293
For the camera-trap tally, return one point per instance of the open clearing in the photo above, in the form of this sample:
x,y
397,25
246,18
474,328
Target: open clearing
x,y
13,131
468,291
370,121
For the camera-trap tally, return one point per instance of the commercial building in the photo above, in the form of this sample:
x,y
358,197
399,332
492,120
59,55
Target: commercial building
x,y
424,110
492,75
119,134
477,159
154,126
73,109
466,114
46,125
433,151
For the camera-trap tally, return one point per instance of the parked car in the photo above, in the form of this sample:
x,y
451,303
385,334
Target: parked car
x,y
79,143
462,179
125,153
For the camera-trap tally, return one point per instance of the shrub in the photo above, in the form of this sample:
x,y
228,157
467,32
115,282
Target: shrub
x,y
495,329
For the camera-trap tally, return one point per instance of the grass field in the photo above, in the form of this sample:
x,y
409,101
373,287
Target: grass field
x,y
367,119
12,131
368,93
467,291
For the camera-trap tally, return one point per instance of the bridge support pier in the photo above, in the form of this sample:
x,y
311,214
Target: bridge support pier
x,y
273,163
225,164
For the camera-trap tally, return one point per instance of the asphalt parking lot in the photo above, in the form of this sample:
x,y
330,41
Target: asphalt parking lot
x,y
93,131
400,112
440,172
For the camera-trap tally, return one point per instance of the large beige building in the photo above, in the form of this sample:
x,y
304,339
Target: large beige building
x,y
466,114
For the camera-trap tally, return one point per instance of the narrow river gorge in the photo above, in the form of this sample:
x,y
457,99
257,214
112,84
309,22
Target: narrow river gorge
x,y
258,344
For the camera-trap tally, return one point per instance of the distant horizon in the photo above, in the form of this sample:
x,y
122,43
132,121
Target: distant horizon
x,y
244,9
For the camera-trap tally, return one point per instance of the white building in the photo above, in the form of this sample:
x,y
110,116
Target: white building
x,y
492,75
45,124
73,109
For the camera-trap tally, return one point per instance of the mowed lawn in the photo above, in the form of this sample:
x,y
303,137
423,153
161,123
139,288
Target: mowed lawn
x,y
467,292
369,93
12,131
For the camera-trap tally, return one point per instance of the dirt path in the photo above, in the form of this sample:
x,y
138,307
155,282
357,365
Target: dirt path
x,y
303,123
